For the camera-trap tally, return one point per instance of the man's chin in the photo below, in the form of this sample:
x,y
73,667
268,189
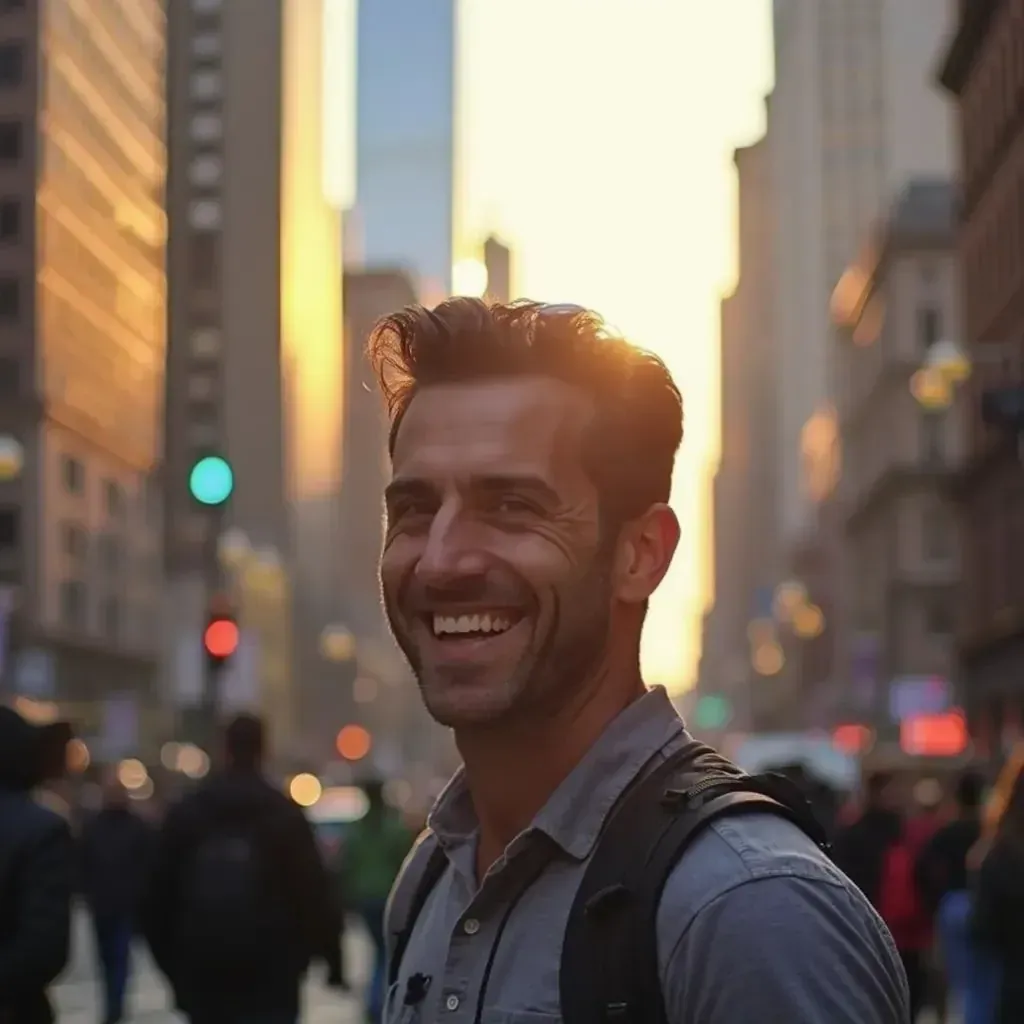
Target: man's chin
x,y
467,703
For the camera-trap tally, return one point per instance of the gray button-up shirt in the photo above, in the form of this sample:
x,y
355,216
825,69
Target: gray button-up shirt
x,y
755,923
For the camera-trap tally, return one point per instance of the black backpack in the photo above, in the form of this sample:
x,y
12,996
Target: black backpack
x,y
233,921
609,967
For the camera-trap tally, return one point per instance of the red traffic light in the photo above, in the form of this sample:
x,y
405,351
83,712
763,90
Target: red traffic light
x,y
221,638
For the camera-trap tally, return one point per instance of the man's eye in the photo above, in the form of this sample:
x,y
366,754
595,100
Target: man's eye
x,y
512,505
411,510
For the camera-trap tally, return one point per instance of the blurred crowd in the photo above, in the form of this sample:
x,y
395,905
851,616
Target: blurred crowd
x,y
228,885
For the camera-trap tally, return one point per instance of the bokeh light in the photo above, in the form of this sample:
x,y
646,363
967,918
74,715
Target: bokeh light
x,y
768,660
305,789
353,742
132,774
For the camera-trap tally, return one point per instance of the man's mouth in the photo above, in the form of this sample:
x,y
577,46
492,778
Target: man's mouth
x,y
475,636
472,626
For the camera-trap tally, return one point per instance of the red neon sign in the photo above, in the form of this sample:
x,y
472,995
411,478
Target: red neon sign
x,y
934,735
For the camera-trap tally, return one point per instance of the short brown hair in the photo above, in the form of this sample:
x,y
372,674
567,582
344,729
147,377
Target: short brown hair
x,y
638,421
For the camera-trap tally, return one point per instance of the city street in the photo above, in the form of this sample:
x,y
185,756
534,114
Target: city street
x,y
78,1000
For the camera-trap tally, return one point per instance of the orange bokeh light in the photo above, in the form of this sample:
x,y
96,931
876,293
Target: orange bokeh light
x,y
353,742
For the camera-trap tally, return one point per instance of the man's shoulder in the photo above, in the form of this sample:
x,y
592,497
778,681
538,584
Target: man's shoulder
x,y
755,895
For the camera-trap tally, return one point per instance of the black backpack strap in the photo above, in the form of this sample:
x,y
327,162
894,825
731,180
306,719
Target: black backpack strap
x,y
609,968
421,871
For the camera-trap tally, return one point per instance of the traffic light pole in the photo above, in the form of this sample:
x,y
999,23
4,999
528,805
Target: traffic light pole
x,y
212,585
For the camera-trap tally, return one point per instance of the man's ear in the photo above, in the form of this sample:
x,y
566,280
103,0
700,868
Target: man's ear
x,y
645,549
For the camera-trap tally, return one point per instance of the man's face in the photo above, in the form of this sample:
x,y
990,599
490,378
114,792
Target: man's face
x,y
494,577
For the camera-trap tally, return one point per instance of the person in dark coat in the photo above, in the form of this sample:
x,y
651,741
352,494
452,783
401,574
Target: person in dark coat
x,y
997,923
267,937
115,853
37,873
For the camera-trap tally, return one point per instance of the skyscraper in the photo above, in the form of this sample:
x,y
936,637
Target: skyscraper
x,y
255,365
855,114
82,298
406,175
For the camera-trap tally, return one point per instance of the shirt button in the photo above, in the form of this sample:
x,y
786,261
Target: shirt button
x,y
471,926
452,1002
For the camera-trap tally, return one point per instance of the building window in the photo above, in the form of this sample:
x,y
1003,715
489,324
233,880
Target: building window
x,y
206,84
929,327
202,264
207,128
10,140
206,46
113,496
10,375
204,214
936,534
206,343
73,474
73,540
12,65
206,170
202,387
10,298
110,553
112,618
10,220
933,447
9,529
938,617
72,603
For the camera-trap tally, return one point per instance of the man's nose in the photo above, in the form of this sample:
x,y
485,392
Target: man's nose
x,y
451,551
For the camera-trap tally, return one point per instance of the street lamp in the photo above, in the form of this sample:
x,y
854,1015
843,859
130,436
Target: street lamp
x,y
12,458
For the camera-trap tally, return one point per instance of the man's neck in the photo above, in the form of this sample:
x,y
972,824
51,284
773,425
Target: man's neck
x,y
513,770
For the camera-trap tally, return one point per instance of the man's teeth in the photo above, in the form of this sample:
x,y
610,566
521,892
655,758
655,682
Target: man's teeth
x,y
454,624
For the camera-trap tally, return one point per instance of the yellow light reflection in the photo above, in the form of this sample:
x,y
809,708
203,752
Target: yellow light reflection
x,y
932,389
809,622
305,789
768,660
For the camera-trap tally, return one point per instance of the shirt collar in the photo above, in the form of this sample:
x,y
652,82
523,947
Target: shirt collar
x,y
575,813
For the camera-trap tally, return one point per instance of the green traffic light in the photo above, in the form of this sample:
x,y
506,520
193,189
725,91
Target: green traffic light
x,y
211,480
713,712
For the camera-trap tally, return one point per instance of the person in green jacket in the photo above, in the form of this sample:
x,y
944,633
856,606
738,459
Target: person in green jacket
x,y
373,854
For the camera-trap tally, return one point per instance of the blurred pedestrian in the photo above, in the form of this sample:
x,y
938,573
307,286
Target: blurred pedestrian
x,y
37,869
115,853
238,903
879,852
942,878
373,855
997,922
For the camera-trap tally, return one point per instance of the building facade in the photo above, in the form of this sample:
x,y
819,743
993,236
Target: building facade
x,y
744,490
406,172
984,72
82,300
854,115
255,366
899,459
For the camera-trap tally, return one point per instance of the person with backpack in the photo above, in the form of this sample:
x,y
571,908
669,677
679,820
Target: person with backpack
x,y
589,861
238,903
37,876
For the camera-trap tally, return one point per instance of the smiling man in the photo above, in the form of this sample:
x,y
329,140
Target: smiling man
x,y
527,526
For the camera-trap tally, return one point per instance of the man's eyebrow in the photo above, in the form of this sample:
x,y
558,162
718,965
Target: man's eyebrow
x,y
406,488
520,484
